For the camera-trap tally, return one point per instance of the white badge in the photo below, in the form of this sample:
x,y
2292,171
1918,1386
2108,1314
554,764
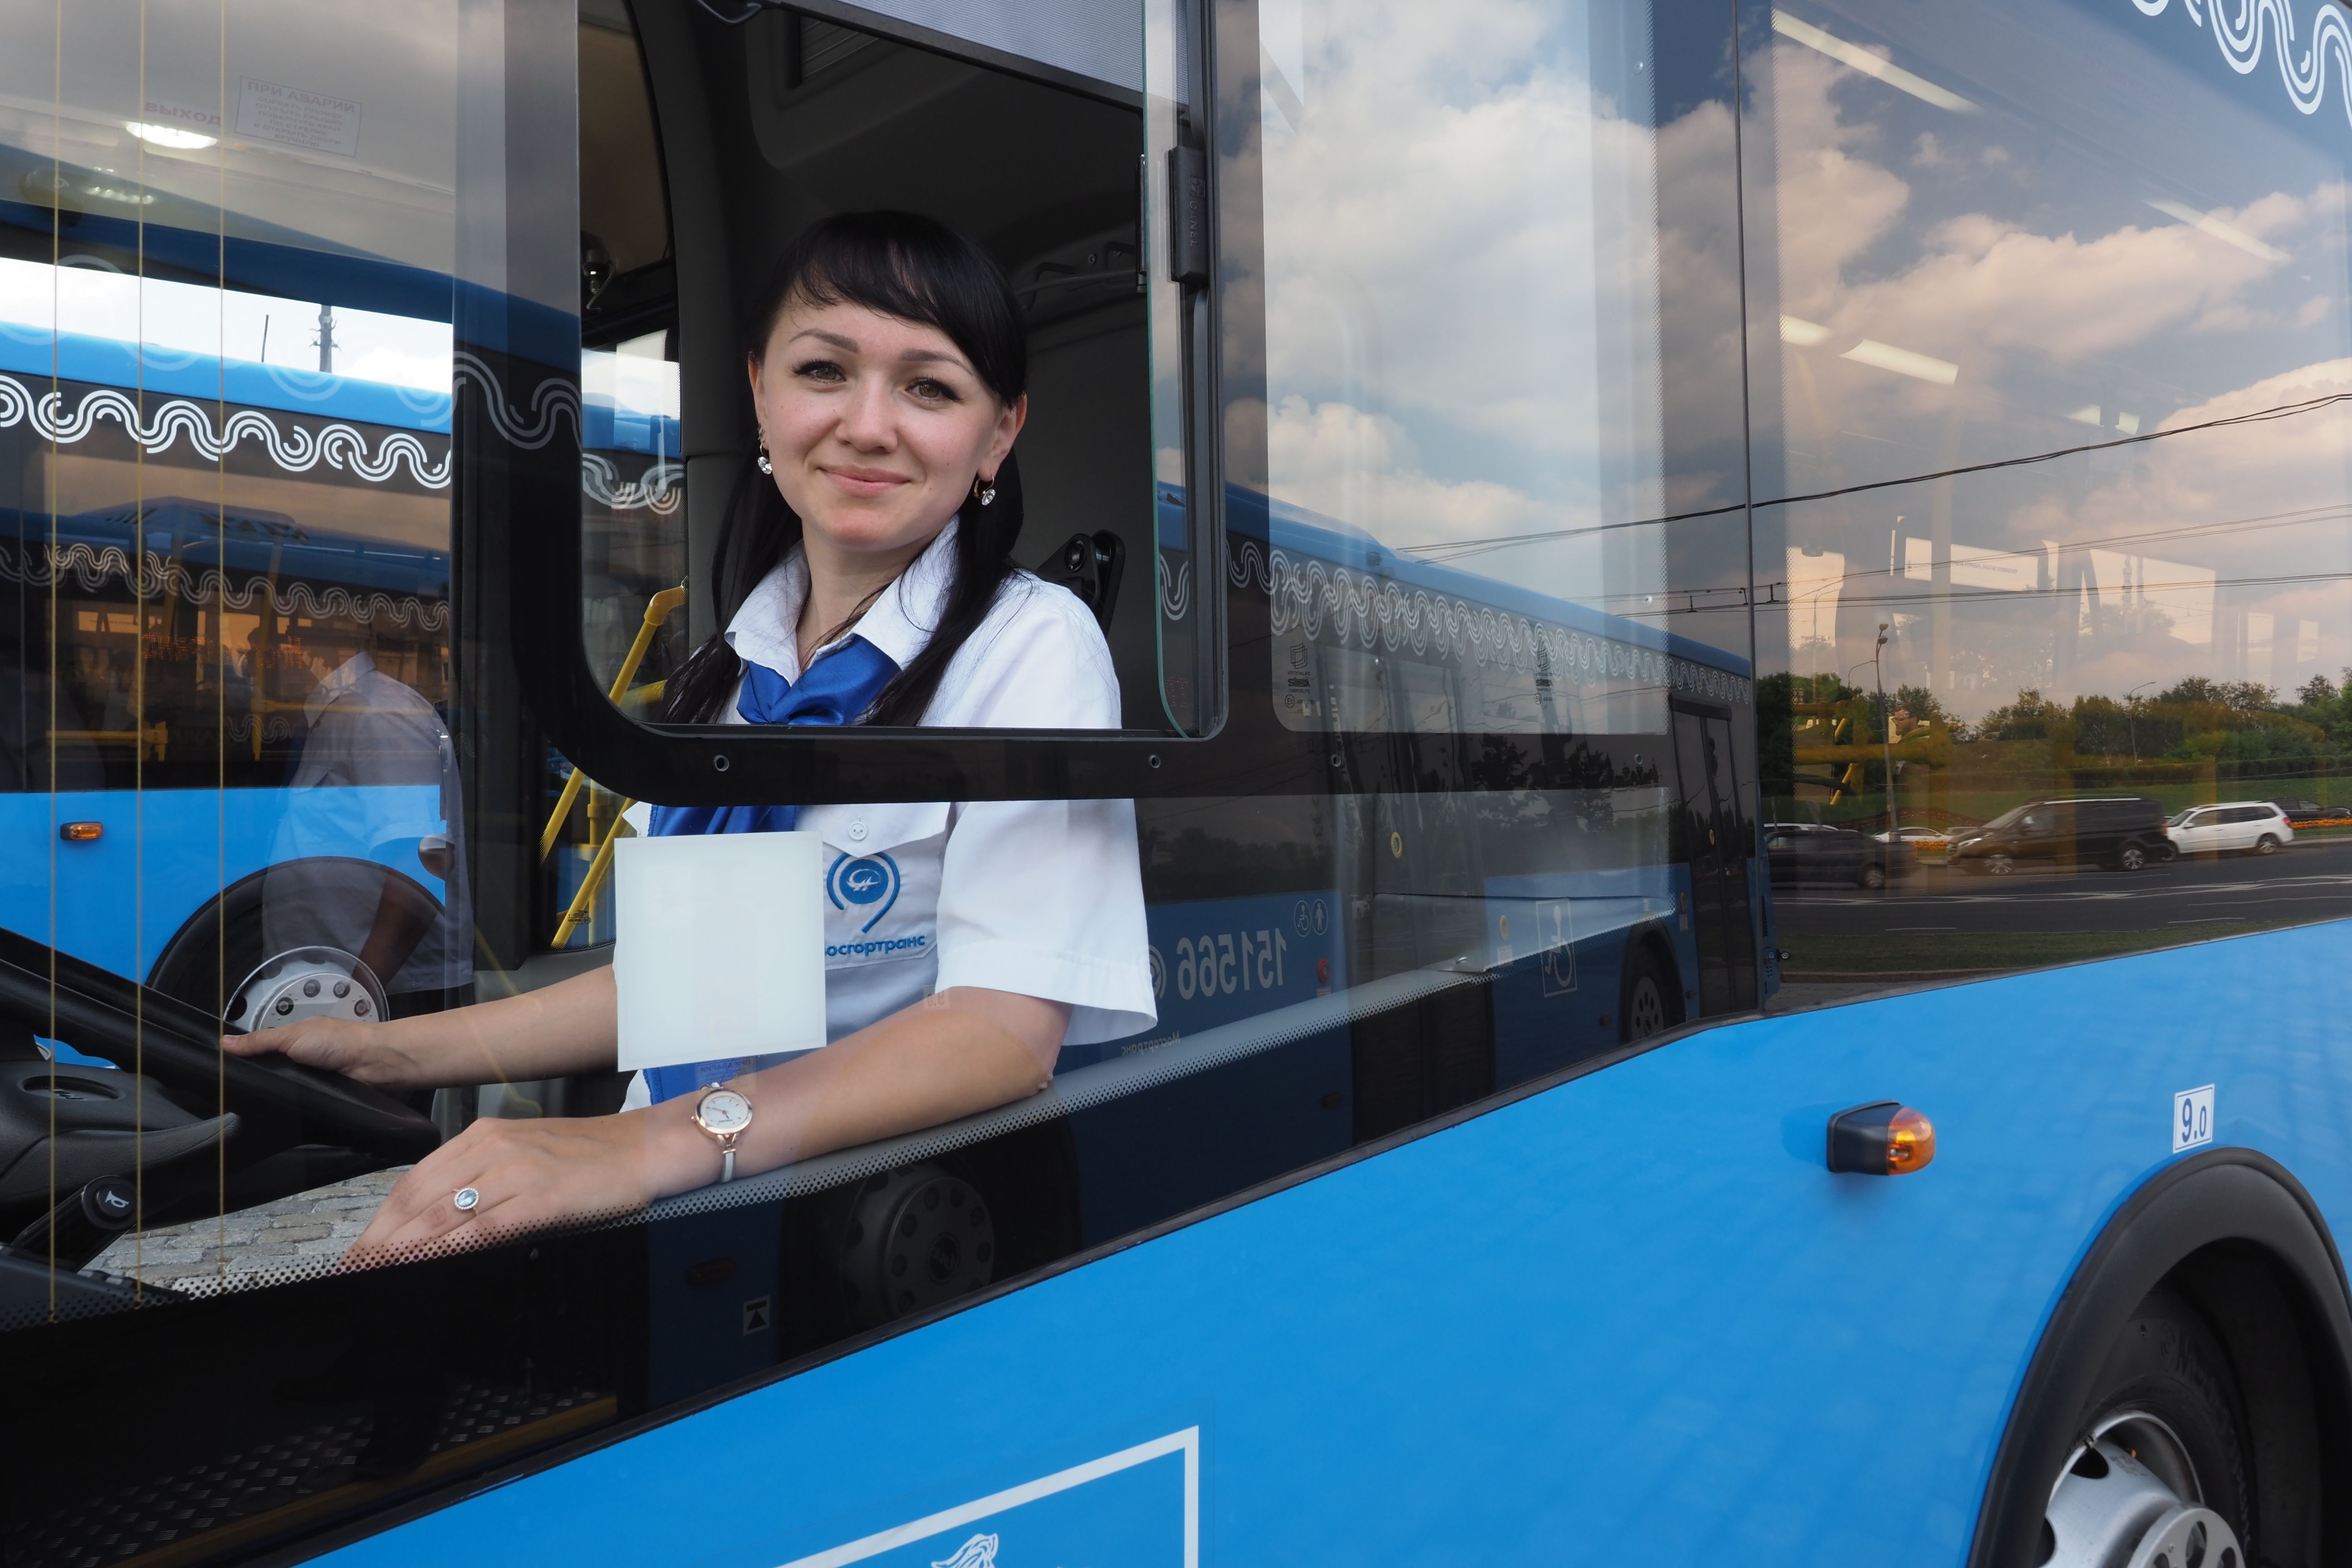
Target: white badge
x,y
718,946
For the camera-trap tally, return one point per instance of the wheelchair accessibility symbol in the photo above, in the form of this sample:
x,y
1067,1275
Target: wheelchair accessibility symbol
x,y
1559,941
870,880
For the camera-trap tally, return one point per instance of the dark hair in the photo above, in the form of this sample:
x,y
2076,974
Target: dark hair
x,y
917,269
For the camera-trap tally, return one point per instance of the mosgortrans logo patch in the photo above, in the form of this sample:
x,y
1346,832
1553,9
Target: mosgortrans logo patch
x,y
867,885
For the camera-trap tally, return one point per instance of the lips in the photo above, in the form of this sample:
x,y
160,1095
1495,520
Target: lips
x,y
866,481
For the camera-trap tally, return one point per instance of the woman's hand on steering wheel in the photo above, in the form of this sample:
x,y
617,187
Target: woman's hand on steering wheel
x,y
519,1175
346,1046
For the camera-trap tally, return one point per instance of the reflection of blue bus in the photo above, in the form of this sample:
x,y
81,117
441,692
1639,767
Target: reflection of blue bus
x,y
190,633
1651,907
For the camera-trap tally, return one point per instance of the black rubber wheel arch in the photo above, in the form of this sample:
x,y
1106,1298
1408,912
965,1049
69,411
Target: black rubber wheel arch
x,y
2222,1197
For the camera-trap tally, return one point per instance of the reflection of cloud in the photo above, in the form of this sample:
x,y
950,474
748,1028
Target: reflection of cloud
x,y
1364,469
1460,239
1984,280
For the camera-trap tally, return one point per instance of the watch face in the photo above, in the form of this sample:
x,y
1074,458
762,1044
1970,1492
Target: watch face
x,y
724,1111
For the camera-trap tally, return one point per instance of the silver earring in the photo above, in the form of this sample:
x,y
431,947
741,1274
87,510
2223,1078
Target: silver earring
x,y
987,493
765,466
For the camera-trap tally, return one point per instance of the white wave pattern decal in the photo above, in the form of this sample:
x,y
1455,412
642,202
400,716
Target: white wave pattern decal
x,y
94,570
1318,599
659,489
1175,589
2240,31
554,403
296,449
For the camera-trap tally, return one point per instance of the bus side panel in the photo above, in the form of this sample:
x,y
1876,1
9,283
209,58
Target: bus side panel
x,y
160,855
1557,1329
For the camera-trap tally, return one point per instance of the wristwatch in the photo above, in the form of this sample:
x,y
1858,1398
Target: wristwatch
x,y
723,1114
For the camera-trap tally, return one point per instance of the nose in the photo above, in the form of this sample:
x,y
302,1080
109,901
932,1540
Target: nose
x,y
866,422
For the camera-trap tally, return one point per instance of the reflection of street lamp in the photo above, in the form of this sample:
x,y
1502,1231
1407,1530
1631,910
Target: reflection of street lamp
x,y
2131,715
1885,734
1886,727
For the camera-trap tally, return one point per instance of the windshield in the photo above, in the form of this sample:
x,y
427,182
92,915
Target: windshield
x,y
2009,818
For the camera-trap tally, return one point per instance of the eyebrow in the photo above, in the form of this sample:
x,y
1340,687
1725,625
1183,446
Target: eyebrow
x,y
849,345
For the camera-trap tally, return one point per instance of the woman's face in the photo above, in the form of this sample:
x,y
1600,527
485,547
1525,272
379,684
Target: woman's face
x,y
875,426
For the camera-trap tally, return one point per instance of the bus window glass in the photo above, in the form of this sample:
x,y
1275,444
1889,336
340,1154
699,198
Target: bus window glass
x,y
1474,422
2048,384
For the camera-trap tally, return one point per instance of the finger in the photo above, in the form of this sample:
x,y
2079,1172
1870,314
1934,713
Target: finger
x,y
422,1216
429,1184
503,1208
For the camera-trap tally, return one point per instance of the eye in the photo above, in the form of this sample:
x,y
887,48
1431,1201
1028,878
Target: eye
x,y
931,390
819,370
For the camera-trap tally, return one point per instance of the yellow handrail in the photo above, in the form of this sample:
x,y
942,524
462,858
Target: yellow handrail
x,y
585,900
658,610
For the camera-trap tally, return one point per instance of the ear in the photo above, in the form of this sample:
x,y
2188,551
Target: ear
x,y
1008,429
751,368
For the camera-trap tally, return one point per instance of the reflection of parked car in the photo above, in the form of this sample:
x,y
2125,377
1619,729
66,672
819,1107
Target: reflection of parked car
x,y
2255,826
2124,833
1928,843
2303,813
1802,852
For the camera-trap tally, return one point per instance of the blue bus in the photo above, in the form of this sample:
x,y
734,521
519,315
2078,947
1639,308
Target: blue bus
x,y
1592,505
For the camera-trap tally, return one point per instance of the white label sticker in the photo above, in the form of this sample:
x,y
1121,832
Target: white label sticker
x,y
718,946
295,117
2192,1118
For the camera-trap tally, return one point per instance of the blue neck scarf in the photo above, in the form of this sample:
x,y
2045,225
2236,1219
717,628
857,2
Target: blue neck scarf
x,y
835,690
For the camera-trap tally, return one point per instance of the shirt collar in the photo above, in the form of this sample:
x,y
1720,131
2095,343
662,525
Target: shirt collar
x,y
344,676
899,623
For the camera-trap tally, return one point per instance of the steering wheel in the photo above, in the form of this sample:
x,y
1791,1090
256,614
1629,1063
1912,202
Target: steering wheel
x,y
278,1103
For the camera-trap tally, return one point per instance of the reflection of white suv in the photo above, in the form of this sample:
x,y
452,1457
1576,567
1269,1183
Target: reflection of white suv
x,y
2258,825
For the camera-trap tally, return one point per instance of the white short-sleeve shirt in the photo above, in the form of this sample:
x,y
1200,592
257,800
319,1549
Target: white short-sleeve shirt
x,y
1042,898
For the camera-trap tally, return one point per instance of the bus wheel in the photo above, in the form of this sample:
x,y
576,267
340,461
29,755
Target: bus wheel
x,y
1648,1005
2160,1473
915,1237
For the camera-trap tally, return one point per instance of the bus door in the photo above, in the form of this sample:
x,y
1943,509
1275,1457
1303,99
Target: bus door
x,y
1714,830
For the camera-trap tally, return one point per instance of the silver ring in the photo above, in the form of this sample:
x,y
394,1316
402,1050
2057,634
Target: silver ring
x,y
465,1198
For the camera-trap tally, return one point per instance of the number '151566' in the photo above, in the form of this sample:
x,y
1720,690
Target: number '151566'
x,y
1228,962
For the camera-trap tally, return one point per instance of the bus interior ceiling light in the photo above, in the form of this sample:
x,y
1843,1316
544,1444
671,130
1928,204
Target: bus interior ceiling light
x,y
1884,1138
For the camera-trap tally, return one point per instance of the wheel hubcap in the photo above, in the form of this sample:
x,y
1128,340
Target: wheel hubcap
x,y
2129,1498
1647,1014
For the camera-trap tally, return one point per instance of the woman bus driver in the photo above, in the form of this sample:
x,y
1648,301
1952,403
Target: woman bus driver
x,y
870,582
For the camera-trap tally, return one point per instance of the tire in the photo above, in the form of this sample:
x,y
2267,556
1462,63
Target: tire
x,y
2131,858
2267,843
1999,865
1873,878
2166,1397
1649,1000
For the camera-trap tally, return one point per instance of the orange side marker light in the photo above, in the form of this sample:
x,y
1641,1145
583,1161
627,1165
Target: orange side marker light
x,y
81,832
1910,1143
1884,1138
